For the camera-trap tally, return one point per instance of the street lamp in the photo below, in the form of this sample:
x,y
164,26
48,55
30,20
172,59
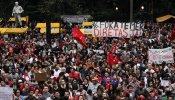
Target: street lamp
x,y
116,8
142,12
131,11
142,7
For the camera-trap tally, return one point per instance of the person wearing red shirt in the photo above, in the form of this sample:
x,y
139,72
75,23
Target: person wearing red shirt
x,y
73,74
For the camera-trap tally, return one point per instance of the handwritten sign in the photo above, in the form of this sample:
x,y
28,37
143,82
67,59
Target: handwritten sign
x,y
40,76
6,93
160,55
116,29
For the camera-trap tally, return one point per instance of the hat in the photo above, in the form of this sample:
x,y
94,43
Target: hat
x,y
138,65
19,81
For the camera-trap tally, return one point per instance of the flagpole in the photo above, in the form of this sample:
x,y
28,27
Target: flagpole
x,y
73,42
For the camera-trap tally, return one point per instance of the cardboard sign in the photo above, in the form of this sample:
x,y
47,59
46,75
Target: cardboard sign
x,y
40,76
116,29
6,93
158,56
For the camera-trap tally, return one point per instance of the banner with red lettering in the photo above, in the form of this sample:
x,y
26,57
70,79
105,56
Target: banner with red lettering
x,y
158,56
116,29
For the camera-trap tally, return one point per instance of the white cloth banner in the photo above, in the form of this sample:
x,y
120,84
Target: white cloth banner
x,y
164,83
6,93
158,56
116,29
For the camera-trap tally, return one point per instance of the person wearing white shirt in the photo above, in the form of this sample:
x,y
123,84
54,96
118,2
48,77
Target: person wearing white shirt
x,y
57,71
94,85
149,69
54,45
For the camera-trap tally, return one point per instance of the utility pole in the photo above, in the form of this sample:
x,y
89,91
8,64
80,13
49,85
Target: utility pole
x,y
131,11
152,10
48,31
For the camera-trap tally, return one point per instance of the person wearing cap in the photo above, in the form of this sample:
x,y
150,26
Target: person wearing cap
x,y
94,85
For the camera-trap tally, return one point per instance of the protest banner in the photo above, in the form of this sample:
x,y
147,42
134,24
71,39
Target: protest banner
x,y
158,56
41,76
116,29
6,93
75,18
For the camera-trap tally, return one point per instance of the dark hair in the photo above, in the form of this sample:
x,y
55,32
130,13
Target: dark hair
x,y
142,84
18,90
89,92
95,98
134,75
130,86
170,96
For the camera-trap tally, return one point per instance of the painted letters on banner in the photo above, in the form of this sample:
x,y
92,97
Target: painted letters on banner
x,y
158,56
116,29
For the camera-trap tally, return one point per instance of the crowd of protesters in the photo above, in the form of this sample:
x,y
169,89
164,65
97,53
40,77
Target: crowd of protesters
x,y
75,72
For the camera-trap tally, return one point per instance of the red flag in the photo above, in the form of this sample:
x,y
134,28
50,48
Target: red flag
x,y
79,36
1,42
172,36
110,58
163,29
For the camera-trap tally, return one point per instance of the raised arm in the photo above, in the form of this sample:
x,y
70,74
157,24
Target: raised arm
x,y
21,9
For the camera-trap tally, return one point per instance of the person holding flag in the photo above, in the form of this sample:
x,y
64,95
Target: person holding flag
x,y
112,60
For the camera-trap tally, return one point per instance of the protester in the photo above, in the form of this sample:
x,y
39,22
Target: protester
x,y
76,72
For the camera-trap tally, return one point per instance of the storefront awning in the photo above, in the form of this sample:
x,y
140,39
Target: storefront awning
x,y
53,30
87,24
13,30
164,18
43,25
25,19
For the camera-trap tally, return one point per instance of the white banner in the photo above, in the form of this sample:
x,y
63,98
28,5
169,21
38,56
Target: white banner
x,y
116,29
6,93
157,56
164,83
75,18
